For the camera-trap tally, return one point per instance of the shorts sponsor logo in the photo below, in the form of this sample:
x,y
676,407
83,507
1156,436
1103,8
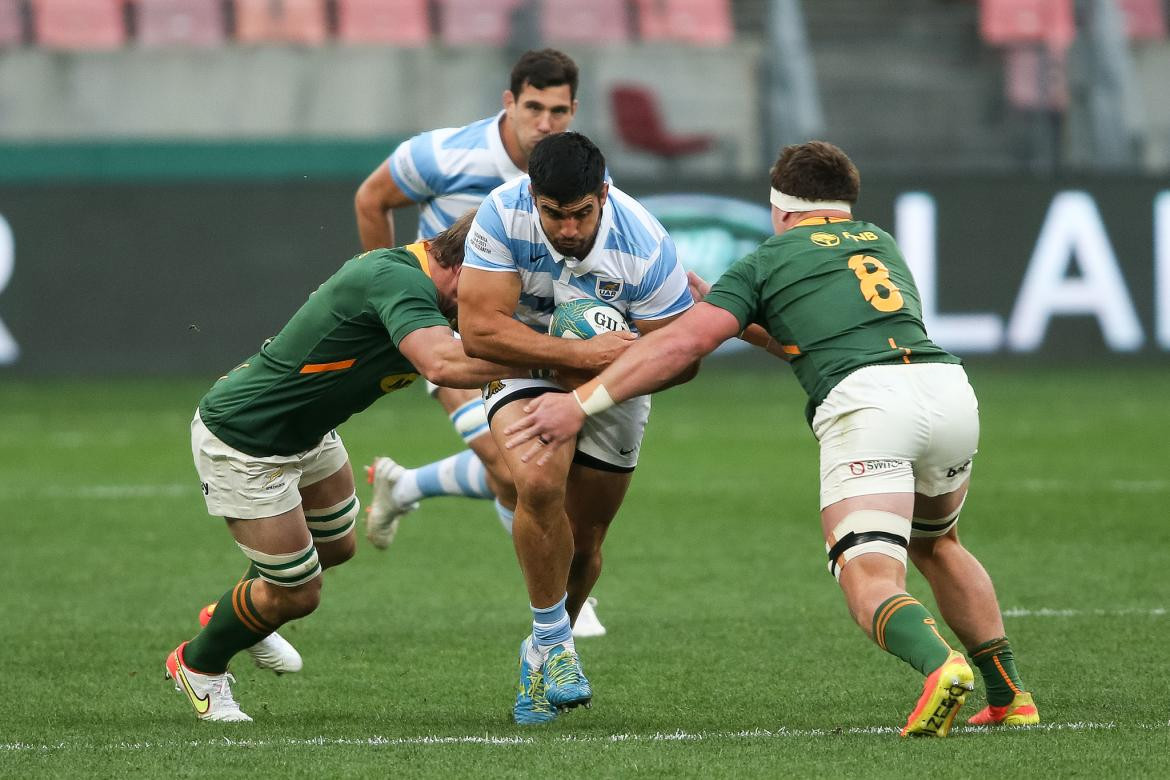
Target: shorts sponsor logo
x,y
609,289
859,467
627,452
492,388
957,470
273,480
824,239
206,488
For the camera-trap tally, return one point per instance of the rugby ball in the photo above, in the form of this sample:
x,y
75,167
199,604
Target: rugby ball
x,y
585,318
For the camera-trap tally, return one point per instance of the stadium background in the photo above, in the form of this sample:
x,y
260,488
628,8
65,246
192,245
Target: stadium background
x,y
174,182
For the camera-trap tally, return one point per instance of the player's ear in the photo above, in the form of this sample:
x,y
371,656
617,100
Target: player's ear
x,y
509,99
604,193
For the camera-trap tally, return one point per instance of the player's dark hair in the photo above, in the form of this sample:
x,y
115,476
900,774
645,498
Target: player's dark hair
x,y
543,69
566,167
816,170
447,247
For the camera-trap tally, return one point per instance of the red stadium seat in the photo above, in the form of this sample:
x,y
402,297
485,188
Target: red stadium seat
x,y
1036,78
79,24
704,22
1145,20
1010,22
180,22
287,21
395,22
640,125
470,22
11,29
571,21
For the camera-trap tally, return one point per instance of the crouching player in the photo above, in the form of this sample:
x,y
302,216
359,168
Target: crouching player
x,y
270,461
896,419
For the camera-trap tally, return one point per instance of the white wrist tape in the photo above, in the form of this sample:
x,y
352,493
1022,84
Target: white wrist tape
x,y
596,403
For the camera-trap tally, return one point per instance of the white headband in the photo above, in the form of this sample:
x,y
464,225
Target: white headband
x,y
792,203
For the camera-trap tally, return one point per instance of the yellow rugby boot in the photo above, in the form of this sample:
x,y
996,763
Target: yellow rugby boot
x,y
943,694
1020,711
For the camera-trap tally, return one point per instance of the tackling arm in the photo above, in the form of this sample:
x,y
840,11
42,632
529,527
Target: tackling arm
x,y
439,356
648,365
374,203
688,371
487,300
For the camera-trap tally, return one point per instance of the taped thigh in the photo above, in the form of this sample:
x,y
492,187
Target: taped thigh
x,y
332,523
470,420
867,531
287,570
929,529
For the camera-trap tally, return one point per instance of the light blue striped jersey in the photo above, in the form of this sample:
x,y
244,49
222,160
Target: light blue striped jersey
x,y
632,265
451,170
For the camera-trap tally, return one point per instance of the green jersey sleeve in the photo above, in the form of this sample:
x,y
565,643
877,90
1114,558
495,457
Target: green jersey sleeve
x,y
405,300
737,292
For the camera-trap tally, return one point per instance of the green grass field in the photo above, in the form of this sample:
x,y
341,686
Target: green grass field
x,y
729,653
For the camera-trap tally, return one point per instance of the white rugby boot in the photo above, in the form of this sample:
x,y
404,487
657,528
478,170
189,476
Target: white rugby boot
x,y
384,512
587,624
210,694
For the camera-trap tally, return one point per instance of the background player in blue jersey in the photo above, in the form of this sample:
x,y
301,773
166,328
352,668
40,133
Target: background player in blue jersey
x,y
560,234
446,172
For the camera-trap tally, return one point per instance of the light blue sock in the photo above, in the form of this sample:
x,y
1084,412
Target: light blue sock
x,y
550,626
457,475
506,516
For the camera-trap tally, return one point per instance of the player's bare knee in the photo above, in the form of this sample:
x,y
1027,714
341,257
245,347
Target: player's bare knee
x,y
337,552
294,579
298,602
541,492
867,532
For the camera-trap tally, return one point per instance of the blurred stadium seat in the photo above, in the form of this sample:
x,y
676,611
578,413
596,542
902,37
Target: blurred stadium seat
x,y
396,22
704,22
571,21
79,24
11,27
463,22
1010,22
180,22
1035,79
640,126
1145,20
288,21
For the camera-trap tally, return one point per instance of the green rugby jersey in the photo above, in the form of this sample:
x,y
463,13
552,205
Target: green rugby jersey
x,y
336,356
837,294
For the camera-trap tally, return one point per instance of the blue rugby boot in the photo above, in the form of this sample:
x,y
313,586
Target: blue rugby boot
x,y
531,706
564,681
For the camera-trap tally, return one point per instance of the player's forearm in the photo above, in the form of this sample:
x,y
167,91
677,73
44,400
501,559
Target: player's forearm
x,y
510,342
655,361
450,366
375,223
758,337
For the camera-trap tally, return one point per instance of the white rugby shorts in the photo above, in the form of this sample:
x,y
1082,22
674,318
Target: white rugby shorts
x,y
609,441
897,429
236,484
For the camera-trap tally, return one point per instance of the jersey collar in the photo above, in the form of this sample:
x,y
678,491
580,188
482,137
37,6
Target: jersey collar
x,y
821,221
419,250
504,165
